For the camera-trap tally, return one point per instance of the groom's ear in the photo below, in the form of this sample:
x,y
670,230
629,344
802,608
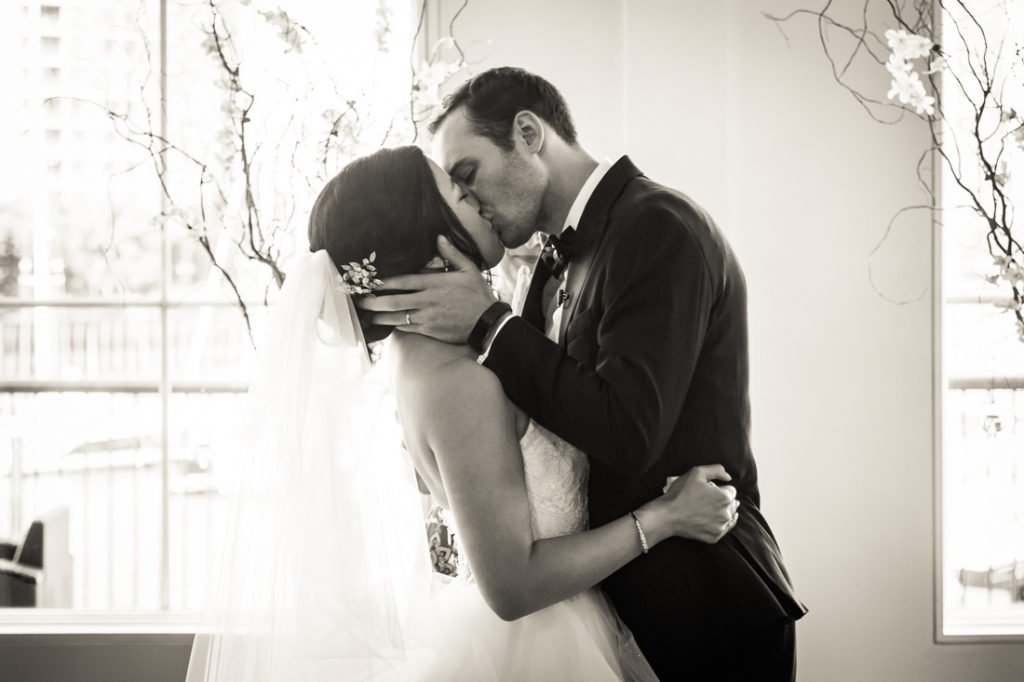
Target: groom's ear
x,y
528,130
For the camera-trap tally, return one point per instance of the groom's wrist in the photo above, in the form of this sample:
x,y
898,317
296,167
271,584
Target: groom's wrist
x,y
489,341
487,326
496,329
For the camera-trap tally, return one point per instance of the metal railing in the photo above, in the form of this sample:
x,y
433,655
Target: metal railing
x,y
89,434
113,490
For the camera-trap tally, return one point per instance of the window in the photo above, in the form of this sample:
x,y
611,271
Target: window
x,y
124,355
980,480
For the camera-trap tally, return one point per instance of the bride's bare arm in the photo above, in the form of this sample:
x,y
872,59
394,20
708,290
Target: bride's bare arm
x,y
472,433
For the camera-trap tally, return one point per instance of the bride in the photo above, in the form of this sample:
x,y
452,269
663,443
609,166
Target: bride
x,y
325,573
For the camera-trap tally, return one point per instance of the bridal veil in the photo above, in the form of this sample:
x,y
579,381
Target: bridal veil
x,y
324,537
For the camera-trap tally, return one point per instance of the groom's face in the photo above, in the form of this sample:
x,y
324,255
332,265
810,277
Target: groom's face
x,y
508,185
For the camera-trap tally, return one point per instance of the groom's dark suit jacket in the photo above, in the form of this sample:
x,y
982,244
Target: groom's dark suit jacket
x,y
650,380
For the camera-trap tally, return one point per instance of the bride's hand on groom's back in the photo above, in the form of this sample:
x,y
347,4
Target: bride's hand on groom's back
x,y
698,508
442,305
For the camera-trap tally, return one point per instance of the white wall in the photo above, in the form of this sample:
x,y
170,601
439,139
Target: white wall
x,y
707,97
578,45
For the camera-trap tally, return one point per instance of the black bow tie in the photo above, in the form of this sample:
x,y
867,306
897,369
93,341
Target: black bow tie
x,y
557,251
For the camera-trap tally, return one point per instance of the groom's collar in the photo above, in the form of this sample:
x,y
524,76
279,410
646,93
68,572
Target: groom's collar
x,y
592,221
583,196
590,232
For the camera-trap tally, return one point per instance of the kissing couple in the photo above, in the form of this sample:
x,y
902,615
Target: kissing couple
x,y
590,440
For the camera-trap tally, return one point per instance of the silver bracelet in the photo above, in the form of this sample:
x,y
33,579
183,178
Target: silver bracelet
x,y
640,532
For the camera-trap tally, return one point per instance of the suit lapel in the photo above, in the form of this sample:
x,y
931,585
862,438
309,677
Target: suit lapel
x,y
590,233
533,311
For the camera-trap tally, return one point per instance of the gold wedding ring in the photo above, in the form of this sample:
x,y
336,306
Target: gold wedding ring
x,y
408,318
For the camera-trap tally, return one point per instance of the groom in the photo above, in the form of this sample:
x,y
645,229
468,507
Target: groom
x,y
632,345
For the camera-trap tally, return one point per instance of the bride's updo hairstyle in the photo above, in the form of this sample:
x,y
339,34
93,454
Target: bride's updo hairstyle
x,y
386,203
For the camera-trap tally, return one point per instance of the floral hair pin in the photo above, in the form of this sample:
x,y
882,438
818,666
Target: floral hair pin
x,y
361,278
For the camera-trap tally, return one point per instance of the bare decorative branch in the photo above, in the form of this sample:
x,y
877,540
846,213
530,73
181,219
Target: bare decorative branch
x,y
250,184
975,72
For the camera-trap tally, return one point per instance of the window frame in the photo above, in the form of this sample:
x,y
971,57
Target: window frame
x,y
941,383
19,623
164,627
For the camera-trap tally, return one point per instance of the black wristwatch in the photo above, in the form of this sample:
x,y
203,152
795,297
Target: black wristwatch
x,y
486,322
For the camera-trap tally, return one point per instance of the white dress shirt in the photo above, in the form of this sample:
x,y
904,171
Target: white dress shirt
x,y
552,310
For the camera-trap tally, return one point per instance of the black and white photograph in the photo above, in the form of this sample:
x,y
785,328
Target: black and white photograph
x,y
478,341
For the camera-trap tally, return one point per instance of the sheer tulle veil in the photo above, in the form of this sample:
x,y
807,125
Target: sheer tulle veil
x,y
324,537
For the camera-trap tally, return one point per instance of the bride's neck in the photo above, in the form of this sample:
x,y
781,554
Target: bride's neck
x,y
408,343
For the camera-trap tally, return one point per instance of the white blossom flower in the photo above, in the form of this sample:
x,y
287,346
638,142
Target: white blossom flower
x,y
924,105
938,63
897,66
429,79
1002,176
1010,270
906,86
906,83
908,45
1018,135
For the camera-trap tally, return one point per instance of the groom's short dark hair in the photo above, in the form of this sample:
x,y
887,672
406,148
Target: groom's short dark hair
x,y
494,97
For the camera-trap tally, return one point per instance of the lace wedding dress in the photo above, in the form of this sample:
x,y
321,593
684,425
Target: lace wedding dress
x,y
579,638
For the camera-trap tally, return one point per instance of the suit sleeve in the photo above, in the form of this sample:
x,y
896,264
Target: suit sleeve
x,y
656,298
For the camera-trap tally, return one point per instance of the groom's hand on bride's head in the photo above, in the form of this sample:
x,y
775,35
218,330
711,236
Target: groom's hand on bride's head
x,y
704,508
442,305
